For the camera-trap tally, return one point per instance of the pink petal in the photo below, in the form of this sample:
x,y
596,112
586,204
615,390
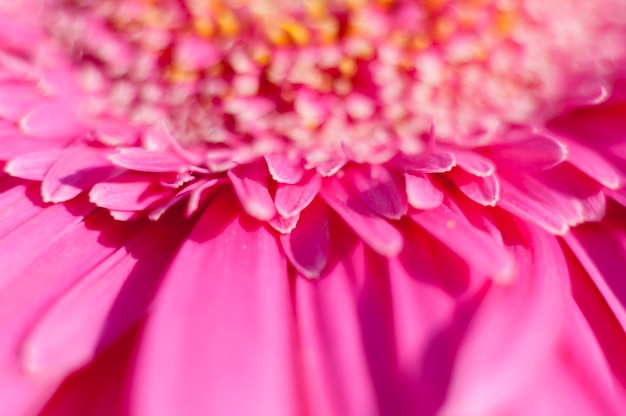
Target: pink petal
x,y
250,185
284,225
33,236
429,162
474,163
483,190
148,161
594,165
347,353
511,332
34,166
532,153
520,204
132,191
17,99
104,304
421,192
52,120
284,169
78,170
18,203
307,244
375,231
379,190
483,252
290,200
240,342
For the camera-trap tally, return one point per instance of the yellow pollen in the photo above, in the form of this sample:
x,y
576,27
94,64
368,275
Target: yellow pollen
x,y
505,21
228,23
204,27
180,75
297,32
347,67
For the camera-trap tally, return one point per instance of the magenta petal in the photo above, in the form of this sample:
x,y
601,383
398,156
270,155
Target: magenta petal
x,y
484,190
533,153
250,185
290,200
18,203
307,244
104,304
511,332
374,230
421,192
132,191
148,161
78,170
379,190
284,169
482,251
239,343
345,339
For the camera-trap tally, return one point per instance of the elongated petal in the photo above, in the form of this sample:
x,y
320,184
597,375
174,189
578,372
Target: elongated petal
x,y
375,231
78,170
240,339
250,185
307,244
284,169
292,199
148,161
512,331
380,191
478,248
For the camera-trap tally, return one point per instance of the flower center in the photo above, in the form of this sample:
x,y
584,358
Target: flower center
x,y
327,79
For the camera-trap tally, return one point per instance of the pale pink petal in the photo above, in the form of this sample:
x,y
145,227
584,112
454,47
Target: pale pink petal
x,y
148,161
77,171
18,99
429,162
520,204
290,200
284,169
284,225
52,120
250,185
484,190
482,251
374,230
474,163
34,166
532,153
307,244
421,192
238,348
594,165
131,191
379,190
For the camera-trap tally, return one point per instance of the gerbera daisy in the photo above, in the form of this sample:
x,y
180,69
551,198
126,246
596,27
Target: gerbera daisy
x,y
325,207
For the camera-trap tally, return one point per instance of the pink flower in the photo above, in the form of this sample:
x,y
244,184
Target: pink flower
x,y
315,207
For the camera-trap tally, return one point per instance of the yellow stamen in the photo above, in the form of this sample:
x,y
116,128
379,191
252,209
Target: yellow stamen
x,y
347,67
228,23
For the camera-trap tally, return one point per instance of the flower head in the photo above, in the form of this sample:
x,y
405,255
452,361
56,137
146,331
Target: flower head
x,y
434,163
